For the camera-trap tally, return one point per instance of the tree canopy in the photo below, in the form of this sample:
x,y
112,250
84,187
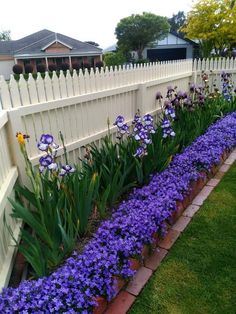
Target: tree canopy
x,y
137,31
213,23
5,35
176,21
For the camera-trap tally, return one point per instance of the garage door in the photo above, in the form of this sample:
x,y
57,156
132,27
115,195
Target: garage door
x,y
166,54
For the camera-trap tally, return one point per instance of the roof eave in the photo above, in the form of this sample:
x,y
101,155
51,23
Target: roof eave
x,y
54,55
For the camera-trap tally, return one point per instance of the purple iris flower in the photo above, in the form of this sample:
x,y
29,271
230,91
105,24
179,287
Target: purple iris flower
x,y
47,162
66,169
168,132
148,119
165,123
158,95
169,111
137,119
46,140
140,152
149,128
119,121
124,129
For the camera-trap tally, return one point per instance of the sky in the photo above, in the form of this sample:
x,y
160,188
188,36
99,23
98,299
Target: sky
x,y
81,19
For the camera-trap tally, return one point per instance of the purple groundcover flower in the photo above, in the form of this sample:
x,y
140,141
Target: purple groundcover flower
x,y
73,287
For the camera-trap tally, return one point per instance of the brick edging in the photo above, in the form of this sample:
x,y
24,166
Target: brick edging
x,y
127,296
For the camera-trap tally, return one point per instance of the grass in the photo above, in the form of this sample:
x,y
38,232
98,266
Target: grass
x,y
199,274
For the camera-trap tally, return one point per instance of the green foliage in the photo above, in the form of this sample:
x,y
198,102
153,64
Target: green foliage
x,y
114,164
135,32
5,35
176,21
114,58
211,22
48,213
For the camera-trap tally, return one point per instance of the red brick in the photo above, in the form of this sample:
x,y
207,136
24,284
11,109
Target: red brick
x,y
118,284
154,261
134,263
169,239
202,196
145,251
181,223
121,303
224,168
101,305
191,210
213,182
139,280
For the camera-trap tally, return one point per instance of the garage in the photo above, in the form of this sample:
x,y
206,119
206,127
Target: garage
x,y
166,54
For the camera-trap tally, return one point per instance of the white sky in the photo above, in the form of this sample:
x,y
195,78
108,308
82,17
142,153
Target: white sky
x,y
80,19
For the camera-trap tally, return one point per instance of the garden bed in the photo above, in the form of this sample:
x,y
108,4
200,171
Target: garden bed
x,y
85,278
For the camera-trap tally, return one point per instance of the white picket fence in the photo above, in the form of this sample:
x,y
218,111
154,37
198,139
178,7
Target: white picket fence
x,y
8,177
79,106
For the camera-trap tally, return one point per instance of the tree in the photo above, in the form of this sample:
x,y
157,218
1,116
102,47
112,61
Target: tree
x,y
176,21
114,58
213,23
5,35
135,32
92,43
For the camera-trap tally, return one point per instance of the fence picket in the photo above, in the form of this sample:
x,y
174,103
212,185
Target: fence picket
x,y
15,94
75,83
40,88
69,84
5,98
23,89
55,86
48,87
62,84
81,82
32,90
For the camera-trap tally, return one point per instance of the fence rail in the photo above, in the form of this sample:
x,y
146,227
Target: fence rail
x,y
79,105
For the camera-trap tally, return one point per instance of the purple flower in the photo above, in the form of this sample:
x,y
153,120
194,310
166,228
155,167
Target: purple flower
x,y
46,141
140,151
119,121
66,169
158,95
170,111
124,129
137,118
165,123
148,119
72,288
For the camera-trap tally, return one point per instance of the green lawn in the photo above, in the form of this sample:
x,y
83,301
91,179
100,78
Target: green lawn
x,y
199,274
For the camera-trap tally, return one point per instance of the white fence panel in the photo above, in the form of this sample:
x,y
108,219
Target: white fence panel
x,y
8,176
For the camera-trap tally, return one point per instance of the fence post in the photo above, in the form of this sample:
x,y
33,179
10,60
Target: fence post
x,y
141,98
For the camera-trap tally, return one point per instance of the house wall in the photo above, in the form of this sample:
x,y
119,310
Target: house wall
x,y
6,64
57,48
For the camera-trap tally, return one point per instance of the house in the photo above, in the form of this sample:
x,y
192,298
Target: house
x,y
172,47
45,47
